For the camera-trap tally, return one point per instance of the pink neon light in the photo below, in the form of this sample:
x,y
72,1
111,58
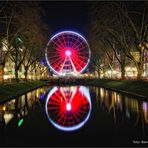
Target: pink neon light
x,y
68,52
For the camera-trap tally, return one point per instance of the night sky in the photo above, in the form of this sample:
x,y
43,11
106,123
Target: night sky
x,y
73,15
66,15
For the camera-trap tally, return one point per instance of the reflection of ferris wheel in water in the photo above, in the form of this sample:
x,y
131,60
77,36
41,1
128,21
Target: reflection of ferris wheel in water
x,y
68,108
67,53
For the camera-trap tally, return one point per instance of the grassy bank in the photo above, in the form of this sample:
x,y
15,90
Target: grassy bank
x,y
9,91
140,88
128,86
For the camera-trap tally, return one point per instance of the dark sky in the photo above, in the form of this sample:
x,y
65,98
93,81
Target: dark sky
x,y
72,15
66,15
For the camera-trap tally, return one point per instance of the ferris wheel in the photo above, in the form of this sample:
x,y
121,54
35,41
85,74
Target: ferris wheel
x,y
68,108
67,52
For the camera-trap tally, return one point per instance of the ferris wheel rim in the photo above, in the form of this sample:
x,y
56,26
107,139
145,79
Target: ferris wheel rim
x,y
82,89
69,32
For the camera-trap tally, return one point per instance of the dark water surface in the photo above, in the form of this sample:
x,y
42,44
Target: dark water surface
x,y
74,116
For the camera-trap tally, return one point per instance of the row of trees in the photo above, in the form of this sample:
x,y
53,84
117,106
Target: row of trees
x,y
23,34
116,30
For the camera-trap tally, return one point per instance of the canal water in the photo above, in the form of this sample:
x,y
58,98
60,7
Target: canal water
x,y
74,116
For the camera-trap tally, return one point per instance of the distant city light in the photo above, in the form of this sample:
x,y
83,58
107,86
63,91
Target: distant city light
x,y
4,108
42,96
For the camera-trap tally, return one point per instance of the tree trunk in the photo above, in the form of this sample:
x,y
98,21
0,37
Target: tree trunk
x,y
16,75
35,74
104,71
140,72
98,71
2,73
140,65
26,73
122,72
112,73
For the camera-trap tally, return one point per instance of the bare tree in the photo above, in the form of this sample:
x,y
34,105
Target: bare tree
x,y
114,27
140,36
36,34
7,36
30,42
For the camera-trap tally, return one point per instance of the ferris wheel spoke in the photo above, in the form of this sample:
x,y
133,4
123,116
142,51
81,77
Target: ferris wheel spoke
x,y
82,57
61,43
54,61
57,45
64,120
52,107
76,63
71,45
70,39
63,64
84,53
67,42
70,42
59,51
57,95
78,95
75,117
55,56
53,102
78,66
78,112
73,66
64,40
57,113
79,61
76,42
73,94
78,45
61,115
78,49
57,64
63,94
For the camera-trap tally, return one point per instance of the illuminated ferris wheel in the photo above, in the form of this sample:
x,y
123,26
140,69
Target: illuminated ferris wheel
x,y
67,52
68,108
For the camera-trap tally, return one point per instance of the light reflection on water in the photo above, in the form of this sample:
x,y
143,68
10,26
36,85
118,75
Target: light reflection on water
x,y
19,107
128,106
68,108
118,105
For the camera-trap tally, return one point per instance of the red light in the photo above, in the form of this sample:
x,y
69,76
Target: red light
x,y
67,106
70,50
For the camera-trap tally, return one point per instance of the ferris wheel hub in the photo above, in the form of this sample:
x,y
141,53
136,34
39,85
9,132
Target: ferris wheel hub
x,y
68,53
68,106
